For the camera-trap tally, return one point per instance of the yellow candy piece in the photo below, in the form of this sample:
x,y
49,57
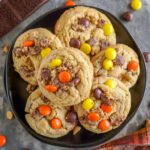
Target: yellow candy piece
x,y
55,63
45,52
136,4
86,48
110,53
107,64
111,83
88,104
108,29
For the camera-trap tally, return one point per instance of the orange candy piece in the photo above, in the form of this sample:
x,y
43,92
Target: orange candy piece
x,y
51,88
2,140
70,3
93,117
64,77
104,125
132,65
56,123
106,108
44,110
28,43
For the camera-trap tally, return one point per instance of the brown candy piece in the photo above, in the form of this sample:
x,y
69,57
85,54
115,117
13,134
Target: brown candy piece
x,y
85,22
101,23
92,41
45,74
128,16
75,43
97,93
76,81
119,60
147,56
72,117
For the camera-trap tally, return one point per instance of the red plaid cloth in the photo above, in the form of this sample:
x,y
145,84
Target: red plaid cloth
x,y
139,140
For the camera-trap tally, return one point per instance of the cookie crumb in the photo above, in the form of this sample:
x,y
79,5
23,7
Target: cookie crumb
x,y
76,130
5,48
30,88
9,115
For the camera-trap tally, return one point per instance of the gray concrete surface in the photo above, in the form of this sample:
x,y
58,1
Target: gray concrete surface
x,y
139,28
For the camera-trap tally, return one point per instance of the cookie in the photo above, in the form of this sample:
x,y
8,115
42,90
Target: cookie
x,y
65,77
47,119
86,29
107,107
119,61
29,49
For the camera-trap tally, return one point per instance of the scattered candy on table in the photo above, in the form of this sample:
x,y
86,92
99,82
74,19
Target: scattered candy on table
x,y
147,56
9,115
70,3
3,140
136,4
88,104
128,16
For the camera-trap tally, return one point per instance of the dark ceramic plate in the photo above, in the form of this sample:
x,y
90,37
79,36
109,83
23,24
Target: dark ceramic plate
x,y
17,95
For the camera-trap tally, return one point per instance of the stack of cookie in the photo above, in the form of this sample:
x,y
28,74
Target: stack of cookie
x,y
81,74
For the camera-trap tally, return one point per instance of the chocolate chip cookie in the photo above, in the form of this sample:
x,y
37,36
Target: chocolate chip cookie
x,y
65,77
119,61
86,29
30,48
107,106
47,119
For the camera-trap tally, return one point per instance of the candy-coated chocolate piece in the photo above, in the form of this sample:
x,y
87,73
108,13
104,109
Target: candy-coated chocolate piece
x,y
64,77
84,21
70,3
111,83
136,4
128,16
55,63
45,52
44,110
75,43
72,117
107,64
106,108
104,125
97,93
56,123
2,140
86,48
93,116
51,88
108,29
28,43
132,65
88,104
110,53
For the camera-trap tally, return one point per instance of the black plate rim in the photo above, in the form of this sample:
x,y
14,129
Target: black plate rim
x,y
34,134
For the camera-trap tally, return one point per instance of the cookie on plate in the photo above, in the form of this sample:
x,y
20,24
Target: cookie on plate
x,y
86,29
65,77
29,49
119,61
47,119
107,107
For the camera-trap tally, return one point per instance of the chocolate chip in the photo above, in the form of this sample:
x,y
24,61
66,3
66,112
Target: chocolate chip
x,y
85,22
119,60
101,23
104,44
18,52
28,72
75,43
44,42
44,98
128,16
97,93
34,50
147,56
76,81
92,41
45,75
106,100
72,117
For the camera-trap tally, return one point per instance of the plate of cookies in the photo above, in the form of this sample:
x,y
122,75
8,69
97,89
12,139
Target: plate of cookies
x,y
75,77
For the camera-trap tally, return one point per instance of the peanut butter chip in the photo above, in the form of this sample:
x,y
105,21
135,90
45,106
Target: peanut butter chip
x,y
9,115
76,130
